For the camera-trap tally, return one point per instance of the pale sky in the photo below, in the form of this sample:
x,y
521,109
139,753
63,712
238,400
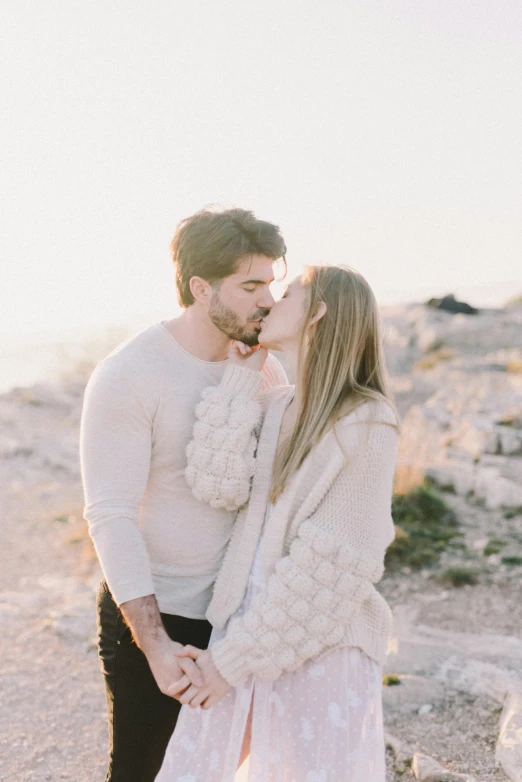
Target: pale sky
x,y
385,135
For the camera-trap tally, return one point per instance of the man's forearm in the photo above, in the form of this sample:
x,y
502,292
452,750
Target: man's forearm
x,y
143,617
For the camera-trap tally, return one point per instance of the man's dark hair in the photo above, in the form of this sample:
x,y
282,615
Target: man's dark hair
x,y
210,244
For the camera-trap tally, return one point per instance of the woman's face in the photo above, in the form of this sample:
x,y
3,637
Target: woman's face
x,y
282,328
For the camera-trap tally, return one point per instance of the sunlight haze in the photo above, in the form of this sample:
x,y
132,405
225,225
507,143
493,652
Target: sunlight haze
x,y
382,135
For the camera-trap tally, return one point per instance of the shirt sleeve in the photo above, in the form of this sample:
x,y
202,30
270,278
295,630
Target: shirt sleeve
x,y
115,452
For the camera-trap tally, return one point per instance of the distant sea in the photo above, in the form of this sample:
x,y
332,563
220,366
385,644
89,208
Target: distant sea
x,y
29,358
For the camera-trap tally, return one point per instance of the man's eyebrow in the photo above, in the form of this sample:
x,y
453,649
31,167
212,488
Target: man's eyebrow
x,y
257,282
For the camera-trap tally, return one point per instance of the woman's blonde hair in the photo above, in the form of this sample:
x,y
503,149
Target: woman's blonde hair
x,y
341,362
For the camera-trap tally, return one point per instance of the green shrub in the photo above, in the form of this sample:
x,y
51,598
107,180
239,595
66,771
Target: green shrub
x,y
511,513
493,546
511,560
390,680
458,576
425,526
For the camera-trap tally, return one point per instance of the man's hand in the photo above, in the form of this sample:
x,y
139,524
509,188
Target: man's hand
x,y
245,356
211,692
143,617
167,667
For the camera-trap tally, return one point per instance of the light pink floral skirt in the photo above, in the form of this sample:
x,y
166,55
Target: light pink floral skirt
x,y
321,723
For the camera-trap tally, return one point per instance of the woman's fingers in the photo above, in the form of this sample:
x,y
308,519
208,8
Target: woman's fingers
x,y
241,348
198,699
189,667
211,701
187,696
179,686
189,651
208,703
185,659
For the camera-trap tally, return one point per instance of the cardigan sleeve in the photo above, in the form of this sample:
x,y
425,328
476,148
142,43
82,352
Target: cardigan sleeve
x,y
221,455
318,589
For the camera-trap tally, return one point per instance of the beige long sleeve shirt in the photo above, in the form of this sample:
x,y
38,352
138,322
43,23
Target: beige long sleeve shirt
x,y
151,534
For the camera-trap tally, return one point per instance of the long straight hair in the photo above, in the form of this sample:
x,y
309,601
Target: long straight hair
x,y
341,362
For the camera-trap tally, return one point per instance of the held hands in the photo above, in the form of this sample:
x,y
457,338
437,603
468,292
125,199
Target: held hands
x,y
206,695
168,662
245,356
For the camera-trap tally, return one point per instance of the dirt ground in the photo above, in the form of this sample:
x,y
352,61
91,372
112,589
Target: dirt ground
x,y
52,720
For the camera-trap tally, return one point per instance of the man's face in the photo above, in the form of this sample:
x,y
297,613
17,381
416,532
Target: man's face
x,y
243,299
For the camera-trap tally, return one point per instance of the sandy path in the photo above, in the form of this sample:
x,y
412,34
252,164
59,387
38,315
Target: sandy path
x,y
52,720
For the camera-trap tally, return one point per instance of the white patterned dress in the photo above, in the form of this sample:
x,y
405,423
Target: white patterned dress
x,y
320,723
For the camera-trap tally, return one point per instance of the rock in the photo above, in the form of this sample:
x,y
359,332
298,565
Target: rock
x,y
433,597
495,488
510,441
428,339
508,751
414,692
402,751
466,436
450,304
73,614
19,604
428,651
80,626
394,743
433,663
427,769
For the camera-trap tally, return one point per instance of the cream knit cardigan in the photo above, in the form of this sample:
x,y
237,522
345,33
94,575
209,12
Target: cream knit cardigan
x,y
324,543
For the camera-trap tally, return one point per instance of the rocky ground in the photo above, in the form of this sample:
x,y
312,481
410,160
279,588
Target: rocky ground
x,y
457,651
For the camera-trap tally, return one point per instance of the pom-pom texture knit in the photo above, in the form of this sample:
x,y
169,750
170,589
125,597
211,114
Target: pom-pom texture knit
x,y
323,547
221,456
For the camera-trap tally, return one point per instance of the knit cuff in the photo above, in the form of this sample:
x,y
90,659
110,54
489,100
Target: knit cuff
x,y
230,661
242,380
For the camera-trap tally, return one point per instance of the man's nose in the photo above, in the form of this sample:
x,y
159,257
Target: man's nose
x,y
266,301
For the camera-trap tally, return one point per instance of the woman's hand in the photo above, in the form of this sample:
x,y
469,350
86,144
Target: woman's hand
x,y
245,356
211,692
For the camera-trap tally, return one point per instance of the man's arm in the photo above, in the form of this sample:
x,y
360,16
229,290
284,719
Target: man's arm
x,y
116,445
143,617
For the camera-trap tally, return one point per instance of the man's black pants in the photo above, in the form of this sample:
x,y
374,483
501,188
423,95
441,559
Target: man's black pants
x,y
141,718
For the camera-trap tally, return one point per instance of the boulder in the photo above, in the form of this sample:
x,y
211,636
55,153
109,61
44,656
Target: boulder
x,y
427,769
468,436
449,303
508,751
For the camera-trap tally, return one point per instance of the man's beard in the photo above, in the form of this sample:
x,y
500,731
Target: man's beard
x,y
228,322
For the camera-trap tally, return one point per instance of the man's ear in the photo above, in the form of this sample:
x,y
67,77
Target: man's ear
x,y
201,290
320,312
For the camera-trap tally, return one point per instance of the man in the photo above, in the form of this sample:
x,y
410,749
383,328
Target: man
x,y
160,549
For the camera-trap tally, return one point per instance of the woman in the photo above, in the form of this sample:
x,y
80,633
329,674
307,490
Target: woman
x,y
293,674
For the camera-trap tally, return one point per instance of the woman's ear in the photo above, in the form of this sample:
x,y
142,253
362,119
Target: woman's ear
x,y
320,311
